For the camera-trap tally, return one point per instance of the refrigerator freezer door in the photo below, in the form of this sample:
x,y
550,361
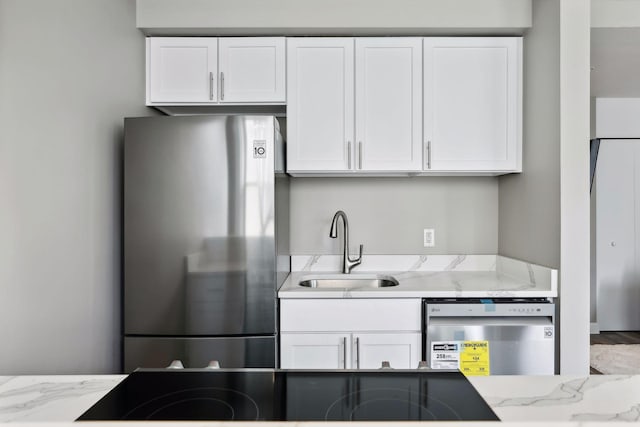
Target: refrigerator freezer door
x,y
145,352
199,248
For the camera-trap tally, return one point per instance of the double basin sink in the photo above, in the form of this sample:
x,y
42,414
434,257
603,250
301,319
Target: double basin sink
x,y
348,281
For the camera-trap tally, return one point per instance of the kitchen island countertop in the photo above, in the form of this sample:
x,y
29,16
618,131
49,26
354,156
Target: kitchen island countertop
x,y
543,399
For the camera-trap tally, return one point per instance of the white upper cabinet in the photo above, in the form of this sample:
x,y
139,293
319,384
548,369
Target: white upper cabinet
x,y
252,69
208,70
320,104
473,104
181,70
389,104
354,110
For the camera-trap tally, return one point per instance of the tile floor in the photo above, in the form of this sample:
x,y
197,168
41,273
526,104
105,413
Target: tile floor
x,y
618,337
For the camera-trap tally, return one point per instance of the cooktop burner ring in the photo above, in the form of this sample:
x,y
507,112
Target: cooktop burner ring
x,y
190,400
249,407
414,401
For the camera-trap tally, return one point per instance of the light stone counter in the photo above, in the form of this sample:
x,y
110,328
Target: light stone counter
x,y
51,397
433,276
541,400
562,398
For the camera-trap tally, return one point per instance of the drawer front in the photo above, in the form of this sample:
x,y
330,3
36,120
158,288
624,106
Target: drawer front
x,y
319,315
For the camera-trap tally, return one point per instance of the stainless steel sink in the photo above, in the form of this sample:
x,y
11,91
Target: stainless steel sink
x,y
350,281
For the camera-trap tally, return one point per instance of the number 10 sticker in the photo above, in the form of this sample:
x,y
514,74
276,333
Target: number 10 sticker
x,y
259,149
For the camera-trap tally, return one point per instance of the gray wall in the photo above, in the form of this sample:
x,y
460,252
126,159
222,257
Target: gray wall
x,y
530,202
615,13
388,215
615,62
69,71
304,17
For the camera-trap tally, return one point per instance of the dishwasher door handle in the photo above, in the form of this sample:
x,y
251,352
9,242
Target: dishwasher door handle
x,y
490,321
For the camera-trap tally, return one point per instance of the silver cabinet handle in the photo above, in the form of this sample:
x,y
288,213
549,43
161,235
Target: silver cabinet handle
x,y
221,85
344,352
349,153
357,353
428,154
360,155
211,85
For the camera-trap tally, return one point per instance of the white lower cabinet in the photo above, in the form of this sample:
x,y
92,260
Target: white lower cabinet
x,y
402,350
314,351
349,351
350,333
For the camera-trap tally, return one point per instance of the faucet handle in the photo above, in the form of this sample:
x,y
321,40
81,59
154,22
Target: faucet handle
x,y
359,259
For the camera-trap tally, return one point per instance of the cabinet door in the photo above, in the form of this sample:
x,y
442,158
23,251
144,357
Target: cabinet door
x,y
320,104
252,69
314,351
617,192
401,350
389,104
181,70
473,103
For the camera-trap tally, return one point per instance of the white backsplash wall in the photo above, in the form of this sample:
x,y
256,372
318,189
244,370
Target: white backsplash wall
x,y
388,215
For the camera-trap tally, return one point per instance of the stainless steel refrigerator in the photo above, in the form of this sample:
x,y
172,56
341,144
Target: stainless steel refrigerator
x,y
205,240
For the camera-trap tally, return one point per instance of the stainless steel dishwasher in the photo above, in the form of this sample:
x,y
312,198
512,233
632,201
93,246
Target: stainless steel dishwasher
x,y
519,333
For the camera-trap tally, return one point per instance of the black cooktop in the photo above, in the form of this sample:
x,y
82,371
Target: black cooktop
x,y
276,395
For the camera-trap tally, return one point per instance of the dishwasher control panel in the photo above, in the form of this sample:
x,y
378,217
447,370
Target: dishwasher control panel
x,y
488,307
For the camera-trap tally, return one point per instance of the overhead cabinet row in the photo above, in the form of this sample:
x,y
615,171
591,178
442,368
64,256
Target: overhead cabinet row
x,y
367,106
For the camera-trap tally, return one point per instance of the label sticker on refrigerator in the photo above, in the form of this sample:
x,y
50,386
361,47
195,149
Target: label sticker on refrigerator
x,y
445,354
259,149
474,358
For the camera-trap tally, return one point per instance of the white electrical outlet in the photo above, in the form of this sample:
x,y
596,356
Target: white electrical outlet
x,y
429,237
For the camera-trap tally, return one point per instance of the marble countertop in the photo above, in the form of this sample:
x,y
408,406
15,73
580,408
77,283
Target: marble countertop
x,y
568,399
562,398
55,398
421,276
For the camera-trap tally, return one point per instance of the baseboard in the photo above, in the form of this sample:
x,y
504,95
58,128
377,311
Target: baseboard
x,y
594,328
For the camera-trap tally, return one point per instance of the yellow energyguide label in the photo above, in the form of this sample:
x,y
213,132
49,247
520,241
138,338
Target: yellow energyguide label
x,y
474,358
